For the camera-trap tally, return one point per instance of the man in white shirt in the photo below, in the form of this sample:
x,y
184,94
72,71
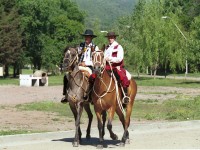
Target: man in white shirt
x,y
85,62
114,54
87,47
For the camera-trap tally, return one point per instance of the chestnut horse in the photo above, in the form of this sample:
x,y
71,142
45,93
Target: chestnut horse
x,y
77,85
107,96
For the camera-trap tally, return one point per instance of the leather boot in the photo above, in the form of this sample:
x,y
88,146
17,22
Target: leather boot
x,y
65,83
91,83
86,94
126,98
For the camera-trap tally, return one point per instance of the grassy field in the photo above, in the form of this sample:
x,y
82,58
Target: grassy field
x,y
149,110
57,80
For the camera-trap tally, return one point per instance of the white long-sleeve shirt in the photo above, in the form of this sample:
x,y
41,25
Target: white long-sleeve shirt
x,y
111,49
87,54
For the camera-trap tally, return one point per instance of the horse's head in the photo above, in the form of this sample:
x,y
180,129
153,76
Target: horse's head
x,y
98,61
71,58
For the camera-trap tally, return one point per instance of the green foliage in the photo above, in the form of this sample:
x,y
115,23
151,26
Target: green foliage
x,y
153,42
11,35
105,12
49,26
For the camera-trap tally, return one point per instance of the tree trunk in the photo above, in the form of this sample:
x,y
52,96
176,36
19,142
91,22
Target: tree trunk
x,y
14,71
6,71
154,73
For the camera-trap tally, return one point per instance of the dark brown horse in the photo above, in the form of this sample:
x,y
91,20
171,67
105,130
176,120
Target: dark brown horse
x,y
77,86
107,96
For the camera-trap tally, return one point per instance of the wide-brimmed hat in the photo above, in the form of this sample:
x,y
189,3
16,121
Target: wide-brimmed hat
x,y
89,32
111,34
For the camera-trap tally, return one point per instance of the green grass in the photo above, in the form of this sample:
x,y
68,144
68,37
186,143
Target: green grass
x,y
167,82
48,106
27,71
148,110
13,132
196,75
9,81
53,80
58,80
168,110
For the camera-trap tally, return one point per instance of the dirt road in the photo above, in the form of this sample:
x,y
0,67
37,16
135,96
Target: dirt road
x,y
171,135
143,135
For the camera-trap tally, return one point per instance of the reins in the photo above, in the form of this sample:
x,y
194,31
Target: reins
x,y
100,97
75,58
80,86
73,74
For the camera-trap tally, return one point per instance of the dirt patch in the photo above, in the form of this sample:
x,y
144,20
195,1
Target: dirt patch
x,y
13,119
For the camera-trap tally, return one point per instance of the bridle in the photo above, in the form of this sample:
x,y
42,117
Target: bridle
x,y
99,62
71,61
102,64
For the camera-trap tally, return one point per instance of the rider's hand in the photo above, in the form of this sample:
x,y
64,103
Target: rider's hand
x,y
107,59
82,64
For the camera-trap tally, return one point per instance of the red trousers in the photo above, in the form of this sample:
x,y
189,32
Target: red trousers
x,y
122,75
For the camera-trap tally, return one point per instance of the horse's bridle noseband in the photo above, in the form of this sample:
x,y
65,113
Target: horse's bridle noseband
x,y
73,60
100,62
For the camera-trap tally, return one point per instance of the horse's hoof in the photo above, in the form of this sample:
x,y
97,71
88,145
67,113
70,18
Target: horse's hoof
x,y
88,137
128,141
99,146
122,144
75,144
115,137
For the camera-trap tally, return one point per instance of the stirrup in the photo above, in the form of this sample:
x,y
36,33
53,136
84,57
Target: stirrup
x,y
126,99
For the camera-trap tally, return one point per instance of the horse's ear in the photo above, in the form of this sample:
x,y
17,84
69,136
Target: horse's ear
x,y
103,47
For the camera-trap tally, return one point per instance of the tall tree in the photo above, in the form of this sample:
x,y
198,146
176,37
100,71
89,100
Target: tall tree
x,y
49,26
157,42
11,38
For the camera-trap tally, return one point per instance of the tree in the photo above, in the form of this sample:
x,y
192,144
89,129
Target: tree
x,y
11,38
49,26
153,42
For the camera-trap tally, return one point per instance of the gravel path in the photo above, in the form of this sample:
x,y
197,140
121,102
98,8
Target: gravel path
x,y
11,95
144,134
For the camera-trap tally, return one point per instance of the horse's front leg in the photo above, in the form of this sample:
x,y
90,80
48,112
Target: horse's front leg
x,y
78,133
109,125
104,122
122,119
100,128
125,138
90,117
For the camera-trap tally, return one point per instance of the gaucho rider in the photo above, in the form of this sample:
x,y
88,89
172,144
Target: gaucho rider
x,y
85,61
114,54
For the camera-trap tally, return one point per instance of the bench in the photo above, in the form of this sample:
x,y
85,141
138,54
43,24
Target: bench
x,y
30,80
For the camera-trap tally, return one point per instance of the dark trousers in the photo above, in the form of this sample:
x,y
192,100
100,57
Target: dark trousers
x,y
65,82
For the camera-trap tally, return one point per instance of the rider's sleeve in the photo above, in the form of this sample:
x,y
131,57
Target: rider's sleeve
x,y
120,55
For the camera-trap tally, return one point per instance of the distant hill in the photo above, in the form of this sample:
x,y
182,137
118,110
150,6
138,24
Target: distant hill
x,y
104,11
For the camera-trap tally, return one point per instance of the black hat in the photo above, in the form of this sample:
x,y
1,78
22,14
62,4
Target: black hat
x,y
111,34
89,32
